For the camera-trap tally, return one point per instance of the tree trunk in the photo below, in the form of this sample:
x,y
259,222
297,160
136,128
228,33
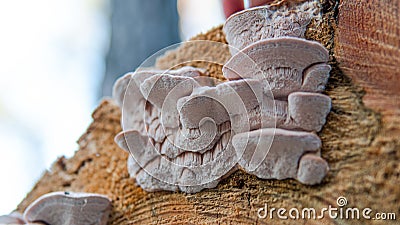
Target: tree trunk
x,y
138,30
360,139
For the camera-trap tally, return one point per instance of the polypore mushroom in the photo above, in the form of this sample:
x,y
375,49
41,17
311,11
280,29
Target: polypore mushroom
x,y
163,91
312,169
315,78
254,24
281,63
188,147
144,161
59,208
189,171
226,104
307,111
127,94
275,154
230,101
156,88
12,218
179,127
174,160
303,111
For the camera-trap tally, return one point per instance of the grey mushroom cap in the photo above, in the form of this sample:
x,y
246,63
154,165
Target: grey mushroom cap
x,y
62,208
12,218
307,111
189,171
315,78
279,63
163,91
226,102
120,87
312,169
128,95
157,88
274,153
304,111
251,25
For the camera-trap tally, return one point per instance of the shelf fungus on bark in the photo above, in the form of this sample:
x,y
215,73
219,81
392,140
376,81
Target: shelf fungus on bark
x,y
280,159
122,93
62,208
267,44
285,64
185,142
12,218
302,111
184,146
248,26
186,132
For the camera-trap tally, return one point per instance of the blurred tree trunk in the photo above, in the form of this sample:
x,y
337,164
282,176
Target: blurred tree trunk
x,y
139,28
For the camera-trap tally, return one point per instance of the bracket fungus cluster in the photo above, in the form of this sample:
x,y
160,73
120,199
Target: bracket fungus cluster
x,y
267,44
175,128
64,208
186,131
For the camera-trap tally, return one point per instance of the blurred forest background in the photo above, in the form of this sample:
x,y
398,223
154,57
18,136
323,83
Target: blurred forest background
x,y
58,58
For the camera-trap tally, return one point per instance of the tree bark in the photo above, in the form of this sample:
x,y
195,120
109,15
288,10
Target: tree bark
x,y
360,139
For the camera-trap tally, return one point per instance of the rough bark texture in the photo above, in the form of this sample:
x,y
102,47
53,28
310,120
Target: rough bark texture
x,y
360,139
367,46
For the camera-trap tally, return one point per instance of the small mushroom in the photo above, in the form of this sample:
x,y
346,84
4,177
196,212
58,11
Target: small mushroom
x,y
191,114
12,218
181,137
278,62
251,25
315,78
163,91
307,111
156,88
133,80
188,171
67,208
303,111
230,101
133,142
312,169
274,153
127,94
120,87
